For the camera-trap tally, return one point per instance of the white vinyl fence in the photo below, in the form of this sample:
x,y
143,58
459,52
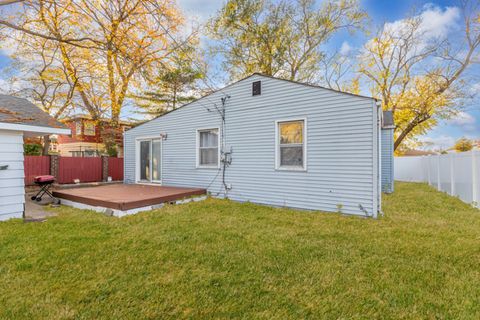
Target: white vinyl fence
x,y
458,174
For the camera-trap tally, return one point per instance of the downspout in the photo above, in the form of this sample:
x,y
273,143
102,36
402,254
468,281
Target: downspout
x,y
379,157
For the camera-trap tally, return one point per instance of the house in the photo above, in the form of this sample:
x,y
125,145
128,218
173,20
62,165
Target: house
x,y
87,139
18,119
269,141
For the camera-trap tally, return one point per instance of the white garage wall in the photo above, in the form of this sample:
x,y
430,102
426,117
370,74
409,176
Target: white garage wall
x,y
12,191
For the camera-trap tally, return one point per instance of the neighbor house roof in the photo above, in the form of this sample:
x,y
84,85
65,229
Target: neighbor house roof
x,y
89,117
21,115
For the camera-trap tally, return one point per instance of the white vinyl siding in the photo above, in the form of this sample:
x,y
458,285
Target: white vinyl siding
x,y
341,133
12,192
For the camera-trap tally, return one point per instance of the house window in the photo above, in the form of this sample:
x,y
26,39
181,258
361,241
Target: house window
x,y
89,129
78,128
207,153
290,140
90,153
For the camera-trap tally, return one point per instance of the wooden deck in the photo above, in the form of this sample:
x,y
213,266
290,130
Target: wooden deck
x,y
126,196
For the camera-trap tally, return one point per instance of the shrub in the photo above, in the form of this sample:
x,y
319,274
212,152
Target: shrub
x,y
32,149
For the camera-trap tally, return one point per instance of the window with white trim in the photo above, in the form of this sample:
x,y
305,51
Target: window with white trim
x,y
207,155
291,145
78,128
89,128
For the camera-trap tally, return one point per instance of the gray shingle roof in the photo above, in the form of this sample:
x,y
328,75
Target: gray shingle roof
x,y
22,111
387,119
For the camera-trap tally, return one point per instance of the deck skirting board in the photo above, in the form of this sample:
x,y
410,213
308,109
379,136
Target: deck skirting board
x,y
122,213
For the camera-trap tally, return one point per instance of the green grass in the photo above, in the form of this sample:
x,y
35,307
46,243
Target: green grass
x,y
221,259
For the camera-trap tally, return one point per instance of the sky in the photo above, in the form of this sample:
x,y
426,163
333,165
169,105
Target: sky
x,y
441,16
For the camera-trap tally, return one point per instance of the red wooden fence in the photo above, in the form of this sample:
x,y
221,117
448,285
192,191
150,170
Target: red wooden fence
x,y
115,168
83,169
35,166
72,168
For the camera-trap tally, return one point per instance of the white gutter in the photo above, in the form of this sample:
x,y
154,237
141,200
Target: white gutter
x,y
35,129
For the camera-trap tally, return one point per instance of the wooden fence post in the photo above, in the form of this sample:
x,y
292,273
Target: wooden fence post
x,y
104,168
54,165
474,179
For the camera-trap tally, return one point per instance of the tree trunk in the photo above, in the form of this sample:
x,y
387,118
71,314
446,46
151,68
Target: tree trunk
x,y
46,145
409,129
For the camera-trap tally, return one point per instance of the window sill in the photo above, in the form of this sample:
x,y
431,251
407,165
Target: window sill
x,y
208,167
292,169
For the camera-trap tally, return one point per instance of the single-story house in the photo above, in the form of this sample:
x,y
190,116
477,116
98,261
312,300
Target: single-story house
x,y
18,119
269,141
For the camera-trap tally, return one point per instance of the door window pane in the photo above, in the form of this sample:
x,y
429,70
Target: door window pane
x,y
145,160
156,159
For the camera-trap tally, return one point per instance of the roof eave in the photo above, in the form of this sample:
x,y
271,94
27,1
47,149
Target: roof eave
x,y
311,85
33,129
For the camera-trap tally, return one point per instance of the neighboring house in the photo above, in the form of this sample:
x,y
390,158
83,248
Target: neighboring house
x,y
18,119
268,141
388,128
87,139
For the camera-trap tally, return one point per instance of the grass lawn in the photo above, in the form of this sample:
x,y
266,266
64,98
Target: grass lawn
x,y
221,259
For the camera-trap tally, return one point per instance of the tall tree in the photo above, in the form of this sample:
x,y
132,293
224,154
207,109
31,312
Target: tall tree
x,y
121,41
173,85
45,79
417,77
280,38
